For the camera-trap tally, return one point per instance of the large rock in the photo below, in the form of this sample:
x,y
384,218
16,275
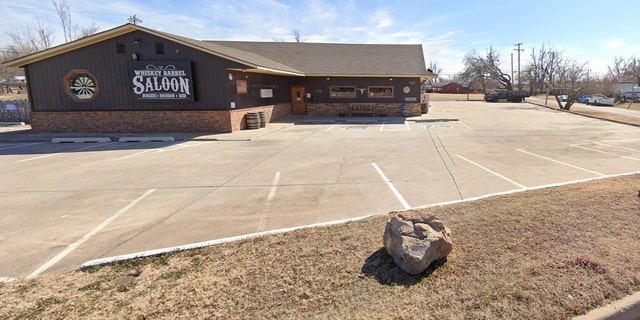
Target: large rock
x,y
415,242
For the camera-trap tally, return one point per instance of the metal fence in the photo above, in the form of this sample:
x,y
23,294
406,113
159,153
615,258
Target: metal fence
x,y
15,111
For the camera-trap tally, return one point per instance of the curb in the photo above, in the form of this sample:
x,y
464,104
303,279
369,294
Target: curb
x,y
197,245
81,140
627,308
146,139
582,114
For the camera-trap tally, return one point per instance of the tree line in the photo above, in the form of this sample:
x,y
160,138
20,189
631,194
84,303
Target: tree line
x,y
38,37
549,71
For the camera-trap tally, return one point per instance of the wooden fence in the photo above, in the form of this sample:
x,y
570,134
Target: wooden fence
x,y
15,111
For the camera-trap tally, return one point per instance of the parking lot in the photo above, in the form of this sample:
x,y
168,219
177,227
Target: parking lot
x,y
65,204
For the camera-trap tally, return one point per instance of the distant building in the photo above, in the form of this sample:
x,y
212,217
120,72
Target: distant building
x,y
447,87
132,79
622,87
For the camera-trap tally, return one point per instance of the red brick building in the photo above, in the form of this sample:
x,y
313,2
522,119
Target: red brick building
x,y
447,87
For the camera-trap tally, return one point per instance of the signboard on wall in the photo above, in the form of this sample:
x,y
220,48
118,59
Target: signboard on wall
x,y
161,80
10,106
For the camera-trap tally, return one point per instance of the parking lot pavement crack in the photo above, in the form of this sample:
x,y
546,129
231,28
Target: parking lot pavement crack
x,y
439,145
159,221
339,178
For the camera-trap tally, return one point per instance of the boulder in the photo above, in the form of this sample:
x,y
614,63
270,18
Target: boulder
x,y
414,242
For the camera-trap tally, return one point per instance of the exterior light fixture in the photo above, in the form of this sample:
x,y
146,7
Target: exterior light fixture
x,y
134,56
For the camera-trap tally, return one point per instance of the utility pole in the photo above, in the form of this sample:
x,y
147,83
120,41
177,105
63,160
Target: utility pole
x,y
518,45
511,66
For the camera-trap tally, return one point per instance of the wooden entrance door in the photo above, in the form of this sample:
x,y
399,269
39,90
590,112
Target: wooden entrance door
x,y
298,106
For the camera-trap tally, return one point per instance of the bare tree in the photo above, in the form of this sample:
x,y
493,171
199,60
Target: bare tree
x,y
633,67
297,36
64,13
570,78
30,40
485,70
619,69
542,71
9,72
474,73
71,30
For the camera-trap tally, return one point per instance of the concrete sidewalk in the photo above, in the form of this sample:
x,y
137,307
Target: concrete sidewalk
x,y
20,132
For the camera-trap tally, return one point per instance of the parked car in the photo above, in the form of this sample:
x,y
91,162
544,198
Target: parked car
x,y
631,96
584,98
563,97
600,100
511,96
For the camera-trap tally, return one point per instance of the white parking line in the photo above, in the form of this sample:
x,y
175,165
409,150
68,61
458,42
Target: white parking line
x,y
604,152
492,172
87,236
5,279
621,140
59,153
154,150
562,163
20,145
617,147
392,187
272,193
464,125
333,126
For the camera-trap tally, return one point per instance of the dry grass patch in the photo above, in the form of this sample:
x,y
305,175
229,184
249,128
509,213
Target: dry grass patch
x,y
544,254
608,115
578,108
455,96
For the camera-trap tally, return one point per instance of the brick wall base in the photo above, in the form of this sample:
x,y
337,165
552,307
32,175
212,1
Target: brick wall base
x,y
190,121
380,109
151,121
272,113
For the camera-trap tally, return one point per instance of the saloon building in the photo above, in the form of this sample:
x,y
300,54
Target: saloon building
x,y
132,79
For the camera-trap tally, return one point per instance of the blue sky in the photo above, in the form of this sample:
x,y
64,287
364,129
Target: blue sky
x,y
589,31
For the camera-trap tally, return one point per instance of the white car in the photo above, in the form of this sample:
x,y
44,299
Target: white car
x,y
600,100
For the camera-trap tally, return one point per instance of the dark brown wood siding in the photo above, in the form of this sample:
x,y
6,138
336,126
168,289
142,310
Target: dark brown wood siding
x,y
319,87
211,85
255,82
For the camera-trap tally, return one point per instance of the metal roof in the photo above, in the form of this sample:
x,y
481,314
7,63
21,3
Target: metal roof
x,y
340,59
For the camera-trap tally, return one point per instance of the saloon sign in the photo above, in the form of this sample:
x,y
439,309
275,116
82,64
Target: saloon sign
x,y
161,80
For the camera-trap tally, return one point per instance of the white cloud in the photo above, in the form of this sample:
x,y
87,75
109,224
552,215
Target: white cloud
x,y
382,19
613,44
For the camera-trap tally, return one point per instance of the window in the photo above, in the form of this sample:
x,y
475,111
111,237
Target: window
x,y
380,92
120,47
342,92
81,85
159,48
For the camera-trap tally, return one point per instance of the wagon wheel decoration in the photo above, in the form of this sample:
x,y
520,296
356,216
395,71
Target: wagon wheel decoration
x,y
81,85
84,87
